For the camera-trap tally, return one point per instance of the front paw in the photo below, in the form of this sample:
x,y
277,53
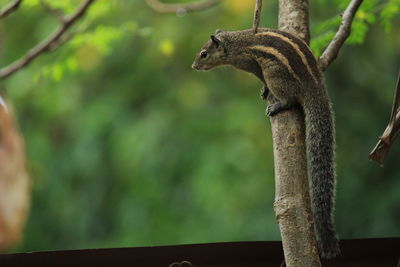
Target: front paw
x,y
277,107
272,109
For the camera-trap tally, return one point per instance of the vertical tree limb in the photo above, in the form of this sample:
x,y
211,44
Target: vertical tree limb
x,y
293,18
257,14
292,199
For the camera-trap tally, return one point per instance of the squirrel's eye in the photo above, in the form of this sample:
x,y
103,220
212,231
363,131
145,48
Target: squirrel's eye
x,y
203,54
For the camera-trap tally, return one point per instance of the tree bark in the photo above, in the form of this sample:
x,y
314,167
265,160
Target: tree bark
x,y
292,199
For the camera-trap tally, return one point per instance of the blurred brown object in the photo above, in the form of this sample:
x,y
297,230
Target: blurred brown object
x,y
14,180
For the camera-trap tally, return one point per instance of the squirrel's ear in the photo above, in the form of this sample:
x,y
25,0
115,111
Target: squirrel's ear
x,y
218,31
215,40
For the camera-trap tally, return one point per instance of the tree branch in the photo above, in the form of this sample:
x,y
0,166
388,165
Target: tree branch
x,y
391,132
9,8
184,7
48,44
257,14
293,18
55,12
331,52
292,203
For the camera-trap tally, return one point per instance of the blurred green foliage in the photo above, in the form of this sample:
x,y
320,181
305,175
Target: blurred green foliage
x,y
128,146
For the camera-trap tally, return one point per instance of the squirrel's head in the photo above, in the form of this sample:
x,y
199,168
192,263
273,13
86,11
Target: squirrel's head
x,y
211,55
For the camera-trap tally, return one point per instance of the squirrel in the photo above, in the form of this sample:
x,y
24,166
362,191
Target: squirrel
x,y
291,76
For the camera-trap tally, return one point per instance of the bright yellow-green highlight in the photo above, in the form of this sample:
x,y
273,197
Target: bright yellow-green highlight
x,y
166,47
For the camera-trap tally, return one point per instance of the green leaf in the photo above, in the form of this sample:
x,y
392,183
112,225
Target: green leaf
x,y
57,72
103,36
319,42
31,3
388,12
327,25
359,30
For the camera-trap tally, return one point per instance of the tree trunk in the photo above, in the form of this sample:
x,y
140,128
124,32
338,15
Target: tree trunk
x,y
292,199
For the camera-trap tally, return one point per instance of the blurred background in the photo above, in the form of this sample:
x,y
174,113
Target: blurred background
x,y
128,146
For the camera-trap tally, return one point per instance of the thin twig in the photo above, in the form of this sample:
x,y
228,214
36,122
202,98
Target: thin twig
x,y
391,132
341,35
48,44
9,8
55,12
178,8
257,12
62,40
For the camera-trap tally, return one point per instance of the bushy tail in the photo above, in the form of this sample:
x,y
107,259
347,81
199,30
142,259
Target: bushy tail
x,y
320,147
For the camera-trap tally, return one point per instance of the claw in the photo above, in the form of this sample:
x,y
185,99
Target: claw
x,y
277,107
270,111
